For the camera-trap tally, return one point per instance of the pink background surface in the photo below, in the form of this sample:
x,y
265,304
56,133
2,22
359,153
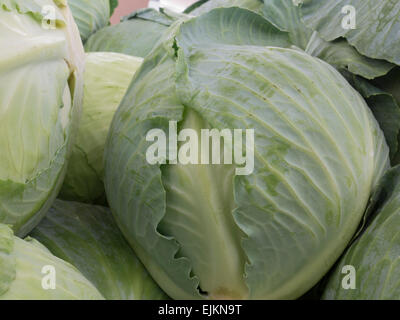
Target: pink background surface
x,y
127,6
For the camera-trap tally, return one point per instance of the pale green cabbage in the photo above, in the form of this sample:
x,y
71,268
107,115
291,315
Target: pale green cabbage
x,y
376,30
97,248
40,98
316,27
136,35
204,232
107,76
90,15
24,267
366,53
204,6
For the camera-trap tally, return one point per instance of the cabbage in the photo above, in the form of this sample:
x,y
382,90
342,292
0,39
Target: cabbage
x,y
91,15
103,92
366,53
391,83
376,29
315,26
345,57
136,35
27,268
204,231
375,255
281,13
97,248
204,6
40,98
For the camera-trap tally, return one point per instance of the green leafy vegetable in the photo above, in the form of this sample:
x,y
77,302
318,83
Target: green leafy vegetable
x,y
202,6
385,109
88,238
201,230
27,268
345,57
371,26
136,35
41,71
356,37
375,256
91,15
285,15
103,91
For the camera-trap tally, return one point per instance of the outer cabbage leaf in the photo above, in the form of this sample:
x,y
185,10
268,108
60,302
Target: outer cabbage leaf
x,y
358,70
113,6
285,15
21,276
90,15
375,255
7,262
40,99
342,56
202,6
386,111
103,91
194,6
377,25
87,237
203,232
136,35
281,13
390,83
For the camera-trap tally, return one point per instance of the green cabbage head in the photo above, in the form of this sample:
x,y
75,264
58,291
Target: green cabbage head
x,y
205,232
91,15
30,272
41,69
103,256
107,76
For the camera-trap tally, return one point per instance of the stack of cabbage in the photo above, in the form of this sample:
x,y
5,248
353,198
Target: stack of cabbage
x,y
42,86
316,216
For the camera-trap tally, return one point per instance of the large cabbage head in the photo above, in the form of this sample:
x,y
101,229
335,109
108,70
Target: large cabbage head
x,y
107,76
30,272
212,231
87,237
41,89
